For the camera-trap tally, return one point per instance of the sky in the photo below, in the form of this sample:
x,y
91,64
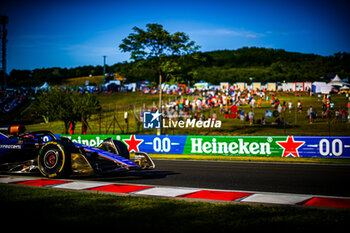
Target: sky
x,y
44,34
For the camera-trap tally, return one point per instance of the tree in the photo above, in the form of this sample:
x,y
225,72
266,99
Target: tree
x,y
56,105
85,106
66,106
20,78
155,46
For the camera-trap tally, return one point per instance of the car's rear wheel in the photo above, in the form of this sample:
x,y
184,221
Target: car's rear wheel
x,y
54,159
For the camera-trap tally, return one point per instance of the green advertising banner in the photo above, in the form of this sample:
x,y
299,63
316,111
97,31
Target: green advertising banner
x,y
234,145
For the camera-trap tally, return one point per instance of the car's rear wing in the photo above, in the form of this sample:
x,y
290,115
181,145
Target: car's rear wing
x,y
12,129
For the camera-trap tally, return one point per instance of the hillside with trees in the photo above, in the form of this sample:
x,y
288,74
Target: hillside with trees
x,y
261,64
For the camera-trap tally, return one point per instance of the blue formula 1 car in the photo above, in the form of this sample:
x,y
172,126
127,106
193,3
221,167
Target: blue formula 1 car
x,y
41,151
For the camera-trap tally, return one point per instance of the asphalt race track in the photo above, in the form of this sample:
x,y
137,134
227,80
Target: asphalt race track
x,y
316,179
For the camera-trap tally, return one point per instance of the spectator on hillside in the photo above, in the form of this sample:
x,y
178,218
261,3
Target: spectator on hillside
x,y
71,128
290,105
251,117
213,118
241,115
310,114
300,106
337,116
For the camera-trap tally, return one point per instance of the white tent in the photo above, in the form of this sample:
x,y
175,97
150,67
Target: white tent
x,y
45,86
201,86
115,82
337,82
256,86
287,86
321,87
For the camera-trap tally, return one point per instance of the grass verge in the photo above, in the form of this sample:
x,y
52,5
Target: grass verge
x,y
111,119
87,210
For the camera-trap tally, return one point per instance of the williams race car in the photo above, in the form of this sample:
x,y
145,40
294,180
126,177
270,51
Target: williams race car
x,y
30,152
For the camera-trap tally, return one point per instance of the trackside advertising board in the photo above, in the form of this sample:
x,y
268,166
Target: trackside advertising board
x,y
268,146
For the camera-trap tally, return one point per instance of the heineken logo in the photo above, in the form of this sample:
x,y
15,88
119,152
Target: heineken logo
x,y
241,147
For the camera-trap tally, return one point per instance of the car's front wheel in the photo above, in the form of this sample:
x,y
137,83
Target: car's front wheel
x,y
54,159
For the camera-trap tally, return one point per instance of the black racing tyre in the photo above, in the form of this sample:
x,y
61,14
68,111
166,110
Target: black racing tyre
x,y
54,159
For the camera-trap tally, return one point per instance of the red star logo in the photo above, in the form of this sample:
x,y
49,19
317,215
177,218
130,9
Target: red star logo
x,y
133,143
290,147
